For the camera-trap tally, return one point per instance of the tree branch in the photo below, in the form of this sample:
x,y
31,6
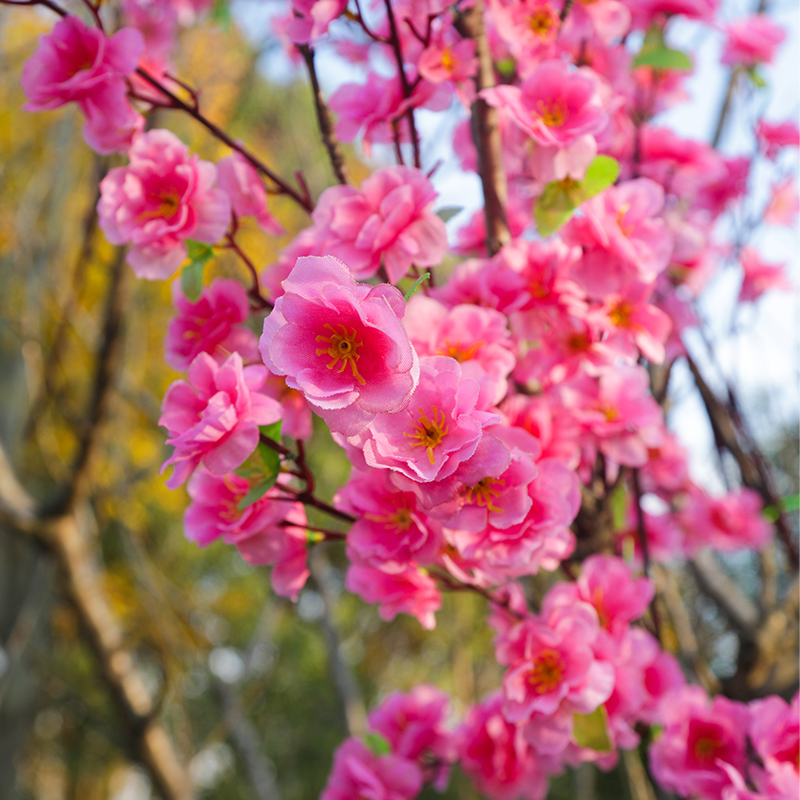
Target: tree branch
x,y
486,133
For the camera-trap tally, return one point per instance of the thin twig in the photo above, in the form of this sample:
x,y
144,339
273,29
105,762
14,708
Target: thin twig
x,y
324,119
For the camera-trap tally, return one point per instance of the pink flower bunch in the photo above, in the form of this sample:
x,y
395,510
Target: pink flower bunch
x,y
388,222
341,344
77,64
753,40
211,324
759,276
269,531
162,198
213,419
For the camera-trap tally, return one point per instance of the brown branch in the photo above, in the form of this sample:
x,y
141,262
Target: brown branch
x,y
283,187
398,54
324,119
486,133
65,536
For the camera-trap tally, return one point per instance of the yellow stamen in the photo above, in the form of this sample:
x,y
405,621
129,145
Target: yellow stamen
x,y
429,433
342,347
541,23
448,62
483,492
170,201
621,314
621,212
457,351
400,521
547,672
552,113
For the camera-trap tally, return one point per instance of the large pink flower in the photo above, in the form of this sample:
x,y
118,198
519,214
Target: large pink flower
x,y
554,106
162,198
341,344
214,418
753,40
74,63
389,220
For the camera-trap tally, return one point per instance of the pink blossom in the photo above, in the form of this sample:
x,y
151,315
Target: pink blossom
x,y
389,220
495,756
783,205
774,136
628,313
411,592
72,62
443,62
341,344
697,740
727,523
80,64
759,276
753,40
606,583
162,198
262,531
214,418
391,531
552,666
312,18
358,772
297,420
414,725
645,12
775,733
530,28
622,237
211,324
238,178
157,22
439,429
553,105
477,338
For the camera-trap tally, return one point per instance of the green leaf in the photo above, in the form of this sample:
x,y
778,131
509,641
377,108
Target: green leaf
x,y
446,214
506,66
377,743
602,173
199,255
591,730
757,78
221,13
618,504
656,54
416,285
664,58
560,198
262,468
790,503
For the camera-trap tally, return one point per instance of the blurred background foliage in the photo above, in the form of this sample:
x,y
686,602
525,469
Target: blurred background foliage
x,y
253,689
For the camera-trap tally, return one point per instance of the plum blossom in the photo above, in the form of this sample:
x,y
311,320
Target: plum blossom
x,y
698,740
269,531
774,136
211,324
162,198
753,40
388,221
75,63
759,276
213,419
358,772
238,178
341,344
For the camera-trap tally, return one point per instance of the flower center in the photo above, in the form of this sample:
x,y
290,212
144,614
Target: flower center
x,y
621,314
611,413
429,432
458,351
621,212
168,203
552,113
541,22
448,62
483,492
400,521
547,672
342,347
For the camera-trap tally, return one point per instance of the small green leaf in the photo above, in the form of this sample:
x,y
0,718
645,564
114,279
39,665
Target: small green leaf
x,y
757,78
618,504
199,255
256,493
272,431
790,503
664,58
416,285
560,198
377,743
591,730
506,66
221,13
446,214
602,172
